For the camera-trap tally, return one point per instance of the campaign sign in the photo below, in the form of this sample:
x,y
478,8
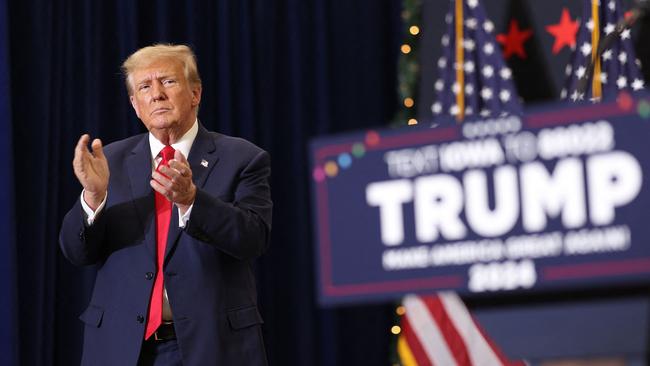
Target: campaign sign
x,y
556,199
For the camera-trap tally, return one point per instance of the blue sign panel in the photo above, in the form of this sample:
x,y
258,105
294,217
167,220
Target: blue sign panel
x,y
554,200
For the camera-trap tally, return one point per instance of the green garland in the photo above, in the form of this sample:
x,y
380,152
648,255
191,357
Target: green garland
x,y
408,75
408,69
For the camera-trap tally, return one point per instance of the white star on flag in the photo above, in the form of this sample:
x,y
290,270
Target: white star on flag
x,y
505,73
486,93
637,84
436,108
625,34
469,44
488,71
504,95
469,67
471,23
455,88
488,26
439,85
488,48
607,55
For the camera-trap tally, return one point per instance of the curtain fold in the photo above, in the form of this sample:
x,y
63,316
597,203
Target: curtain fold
x,y
8,300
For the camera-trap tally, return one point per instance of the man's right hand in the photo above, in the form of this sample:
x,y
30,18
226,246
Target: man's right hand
x,y
91,169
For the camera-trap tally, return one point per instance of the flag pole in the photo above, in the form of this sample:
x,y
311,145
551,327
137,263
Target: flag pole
x,y
460,77
596,87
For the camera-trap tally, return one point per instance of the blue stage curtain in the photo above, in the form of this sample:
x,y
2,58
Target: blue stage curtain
x,y
8,297
274,72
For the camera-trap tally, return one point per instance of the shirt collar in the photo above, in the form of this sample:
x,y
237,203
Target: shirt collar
x,y
184,144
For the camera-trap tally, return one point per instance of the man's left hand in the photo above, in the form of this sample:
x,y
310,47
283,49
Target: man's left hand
x,y
175,182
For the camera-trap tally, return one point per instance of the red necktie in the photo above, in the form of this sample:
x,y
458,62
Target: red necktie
x,y
163,217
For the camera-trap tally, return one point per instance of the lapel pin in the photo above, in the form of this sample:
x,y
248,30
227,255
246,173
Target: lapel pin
x,y
204,163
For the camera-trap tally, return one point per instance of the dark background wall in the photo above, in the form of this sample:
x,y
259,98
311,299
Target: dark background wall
x,y
275,72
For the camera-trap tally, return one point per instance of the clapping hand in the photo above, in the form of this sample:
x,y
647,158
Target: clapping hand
x,y
91,169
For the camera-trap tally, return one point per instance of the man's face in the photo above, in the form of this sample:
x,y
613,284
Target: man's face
x,y
163,98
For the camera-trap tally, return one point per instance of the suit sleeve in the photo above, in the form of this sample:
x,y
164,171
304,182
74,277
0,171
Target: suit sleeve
x,y
241,228
82,244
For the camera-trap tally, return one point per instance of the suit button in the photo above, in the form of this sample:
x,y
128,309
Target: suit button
x,y
140,319
82,237
148,275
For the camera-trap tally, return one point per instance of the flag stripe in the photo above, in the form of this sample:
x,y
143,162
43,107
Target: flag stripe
x,y
428,332
414,343
454,340
439,330
480,351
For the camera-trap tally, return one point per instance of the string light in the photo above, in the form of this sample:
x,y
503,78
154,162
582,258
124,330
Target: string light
x,y
401,310
331,169
408,78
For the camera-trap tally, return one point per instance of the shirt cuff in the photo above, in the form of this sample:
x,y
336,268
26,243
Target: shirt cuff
x,y
90,214
182,219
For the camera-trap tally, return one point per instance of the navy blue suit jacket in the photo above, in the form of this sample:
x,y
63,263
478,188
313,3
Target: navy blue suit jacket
x,y
207,270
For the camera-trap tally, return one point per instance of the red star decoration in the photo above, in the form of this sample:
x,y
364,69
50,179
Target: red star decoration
x,y
513,41
564,32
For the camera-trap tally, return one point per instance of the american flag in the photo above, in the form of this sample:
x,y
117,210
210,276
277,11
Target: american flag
x,y
618,68
439,330
483,85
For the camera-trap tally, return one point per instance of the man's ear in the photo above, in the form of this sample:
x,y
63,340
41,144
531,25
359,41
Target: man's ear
x,y
134,104
196,95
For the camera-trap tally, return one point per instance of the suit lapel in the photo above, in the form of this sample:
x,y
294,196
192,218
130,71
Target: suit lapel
x,y
202,159
138,165
202,156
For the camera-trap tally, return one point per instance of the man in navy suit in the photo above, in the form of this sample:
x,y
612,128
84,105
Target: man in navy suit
x,y
172,237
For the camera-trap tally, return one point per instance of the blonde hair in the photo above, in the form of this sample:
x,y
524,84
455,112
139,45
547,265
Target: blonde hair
x,y
148,55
